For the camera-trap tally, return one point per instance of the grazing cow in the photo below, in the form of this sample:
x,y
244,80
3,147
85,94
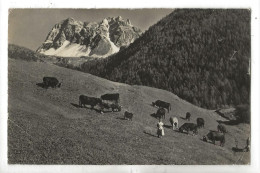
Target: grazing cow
x,y
189,127
111,97
162,104
188,115
174,122
128,115
161,113
115,107
221,128
51,82
215,136
200,122
92,101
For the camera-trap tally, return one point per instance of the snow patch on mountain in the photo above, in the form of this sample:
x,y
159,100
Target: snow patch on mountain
x,y
71,38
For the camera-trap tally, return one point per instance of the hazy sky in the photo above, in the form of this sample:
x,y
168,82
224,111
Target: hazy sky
x,y
29,27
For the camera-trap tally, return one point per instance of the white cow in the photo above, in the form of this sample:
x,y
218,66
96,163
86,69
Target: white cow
x,y
174,122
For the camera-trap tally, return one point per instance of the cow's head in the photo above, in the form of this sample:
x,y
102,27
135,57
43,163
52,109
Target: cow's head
x,y
181,129
153,103
205,139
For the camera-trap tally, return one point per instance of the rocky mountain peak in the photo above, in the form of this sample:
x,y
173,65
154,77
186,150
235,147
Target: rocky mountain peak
x,y
97,39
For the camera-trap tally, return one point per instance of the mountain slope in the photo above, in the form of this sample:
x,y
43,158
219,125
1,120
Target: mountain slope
x,y
71,38
47,127
201,55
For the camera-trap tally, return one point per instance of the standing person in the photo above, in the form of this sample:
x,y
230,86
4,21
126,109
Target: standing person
x,y
248,144
160,130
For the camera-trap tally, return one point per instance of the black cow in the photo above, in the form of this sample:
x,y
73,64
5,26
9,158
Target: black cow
x,y
51,82
161,113
113,106
111,97
92,101
162,104
189,127
221,128
200,122
215,136
188,115
128,115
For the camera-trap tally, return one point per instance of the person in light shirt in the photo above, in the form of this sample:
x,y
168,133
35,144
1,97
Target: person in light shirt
x,y
160,130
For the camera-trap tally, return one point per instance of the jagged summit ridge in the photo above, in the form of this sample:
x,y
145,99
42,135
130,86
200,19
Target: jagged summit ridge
x,y
75,38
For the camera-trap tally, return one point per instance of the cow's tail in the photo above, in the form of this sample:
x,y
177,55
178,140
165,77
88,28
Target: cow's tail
x,y
170,107
80,103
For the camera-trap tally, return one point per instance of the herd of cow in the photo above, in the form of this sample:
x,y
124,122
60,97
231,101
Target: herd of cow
x,y
106,101
111,101
218,135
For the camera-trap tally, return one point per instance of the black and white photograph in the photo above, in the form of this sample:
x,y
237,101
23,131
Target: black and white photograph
x,y
129,86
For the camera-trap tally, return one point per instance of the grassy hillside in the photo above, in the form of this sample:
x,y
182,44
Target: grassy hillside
x,y
19,52
47,127
201,55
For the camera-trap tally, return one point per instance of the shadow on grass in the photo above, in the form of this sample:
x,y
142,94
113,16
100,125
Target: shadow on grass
x,y
210,142
206,141
230,122
167,126
150,134
152,105
156,116
184,118
107,111
41,85
75,105
181,132
120,118
235,149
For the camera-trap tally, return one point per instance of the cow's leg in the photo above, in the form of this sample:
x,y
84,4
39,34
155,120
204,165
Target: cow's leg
x,y
195,132
101,110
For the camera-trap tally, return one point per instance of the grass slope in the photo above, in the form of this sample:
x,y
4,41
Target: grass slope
x,y
47,127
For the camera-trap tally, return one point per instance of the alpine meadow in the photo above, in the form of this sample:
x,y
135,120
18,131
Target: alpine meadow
x,y
129,87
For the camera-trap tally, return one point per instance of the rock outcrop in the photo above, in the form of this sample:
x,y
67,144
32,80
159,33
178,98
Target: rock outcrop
x,y
75,38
